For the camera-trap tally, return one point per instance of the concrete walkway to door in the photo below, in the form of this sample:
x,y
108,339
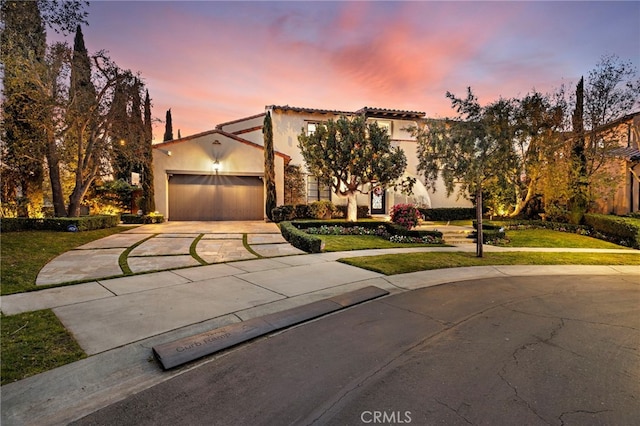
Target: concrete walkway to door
x,y
165,246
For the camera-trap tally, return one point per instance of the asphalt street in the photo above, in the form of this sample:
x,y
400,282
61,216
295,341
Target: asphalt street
x,y
543,350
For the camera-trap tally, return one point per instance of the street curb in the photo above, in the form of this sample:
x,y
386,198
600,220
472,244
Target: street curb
x,y
187,349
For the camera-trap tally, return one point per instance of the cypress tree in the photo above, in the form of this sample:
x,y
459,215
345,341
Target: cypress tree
x,y
120,162
149,203
168,127
269,166
578,179
83,100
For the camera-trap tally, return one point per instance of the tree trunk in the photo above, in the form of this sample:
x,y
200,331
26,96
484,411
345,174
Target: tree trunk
x,y
352,207
479,220
54,176
76,197
521,204
74,204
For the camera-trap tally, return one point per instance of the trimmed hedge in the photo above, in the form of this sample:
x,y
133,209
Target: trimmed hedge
x,y
82,223
620,230
448,213
490,236
390,227
315,210
138,219
300,239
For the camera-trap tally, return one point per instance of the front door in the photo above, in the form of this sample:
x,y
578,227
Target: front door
x,y
378,201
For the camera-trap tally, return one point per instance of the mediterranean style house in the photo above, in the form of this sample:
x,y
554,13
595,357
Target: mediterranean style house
x,y
217,174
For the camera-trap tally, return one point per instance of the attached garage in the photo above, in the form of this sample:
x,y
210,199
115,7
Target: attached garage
x,y
215,197
213,175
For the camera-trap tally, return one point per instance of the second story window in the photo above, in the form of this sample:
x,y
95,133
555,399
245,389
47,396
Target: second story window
x,y
311,128
385,124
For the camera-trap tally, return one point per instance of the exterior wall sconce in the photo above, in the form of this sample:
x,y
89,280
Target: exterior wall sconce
x,y
164,151
216,166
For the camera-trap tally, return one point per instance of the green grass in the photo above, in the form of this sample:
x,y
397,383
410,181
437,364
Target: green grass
x,y
391,264
549,238
363,242
34,342
25,253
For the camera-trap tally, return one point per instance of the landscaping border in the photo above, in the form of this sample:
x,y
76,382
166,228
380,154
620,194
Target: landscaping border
x,y
82,223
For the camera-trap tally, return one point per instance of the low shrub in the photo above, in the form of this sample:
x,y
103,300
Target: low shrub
x,y
405,215
142,219
300,239
323,209
280,213
448,213
620,230
82,223
302,211
362,212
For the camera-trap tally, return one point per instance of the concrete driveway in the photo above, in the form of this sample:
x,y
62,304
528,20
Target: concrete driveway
x,y
165,246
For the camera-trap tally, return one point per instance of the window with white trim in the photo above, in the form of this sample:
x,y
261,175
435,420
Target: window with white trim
x,y
311,127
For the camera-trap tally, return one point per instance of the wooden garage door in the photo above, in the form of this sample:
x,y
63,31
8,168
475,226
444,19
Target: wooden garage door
x,y
214,197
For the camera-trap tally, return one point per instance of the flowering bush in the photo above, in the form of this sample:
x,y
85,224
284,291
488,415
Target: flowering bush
x,y
405,215
427,239
380,231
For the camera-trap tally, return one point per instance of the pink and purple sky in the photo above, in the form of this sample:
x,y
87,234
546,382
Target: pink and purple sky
x,y
213,61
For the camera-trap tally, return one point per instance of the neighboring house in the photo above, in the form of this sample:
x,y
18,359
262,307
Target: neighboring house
x,y
623,166
217,175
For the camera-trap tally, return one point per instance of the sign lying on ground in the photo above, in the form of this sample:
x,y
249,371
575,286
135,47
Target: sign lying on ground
x,y
181,351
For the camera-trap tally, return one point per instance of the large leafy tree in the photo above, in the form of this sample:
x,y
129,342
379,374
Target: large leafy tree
x,y
86,139
469,152
347,154
538,122
30,91
22,41
578,173
269,166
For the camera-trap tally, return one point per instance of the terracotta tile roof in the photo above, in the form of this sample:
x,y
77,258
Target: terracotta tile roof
x,y
308,110
390,113
367,111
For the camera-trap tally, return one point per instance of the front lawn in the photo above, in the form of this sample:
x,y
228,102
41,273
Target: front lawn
x,y
34,342
25,253
550,238
364,242
391,264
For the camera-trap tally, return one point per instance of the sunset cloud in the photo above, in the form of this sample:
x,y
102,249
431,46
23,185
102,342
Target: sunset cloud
x,y
212,62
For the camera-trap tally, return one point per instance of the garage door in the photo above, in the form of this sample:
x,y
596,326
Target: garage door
x,y
214,197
